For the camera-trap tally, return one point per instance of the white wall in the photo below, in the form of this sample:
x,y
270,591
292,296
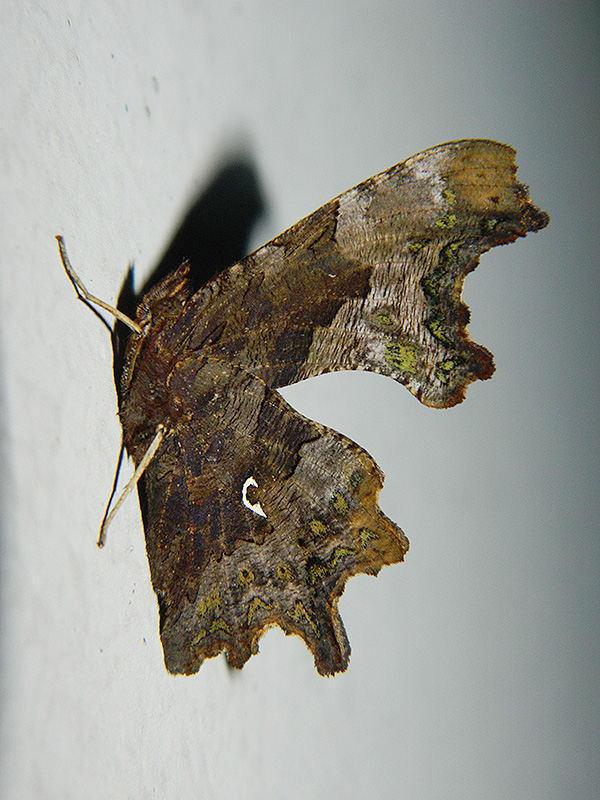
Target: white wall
x,y
474,670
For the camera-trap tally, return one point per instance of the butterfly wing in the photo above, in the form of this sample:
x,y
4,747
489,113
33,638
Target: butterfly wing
x,y
256,517
373,279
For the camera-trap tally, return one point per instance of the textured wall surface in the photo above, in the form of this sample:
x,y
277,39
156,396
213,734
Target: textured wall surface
x,y
474,668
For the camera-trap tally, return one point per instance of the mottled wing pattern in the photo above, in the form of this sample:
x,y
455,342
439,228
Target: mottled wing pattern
x,y
373,279
256,517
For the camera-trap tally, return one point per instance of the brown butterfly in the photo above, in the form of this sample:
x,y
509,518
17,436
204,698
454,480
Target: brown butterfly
x,y
257,516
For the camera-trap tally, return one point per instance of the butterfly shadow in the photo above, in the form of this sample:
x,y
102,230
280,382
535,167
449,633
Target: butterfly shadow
x,y
214,234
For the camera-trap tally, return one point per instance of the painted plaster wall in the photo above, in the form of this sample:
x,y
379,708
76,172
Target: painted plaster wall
x,y
475,664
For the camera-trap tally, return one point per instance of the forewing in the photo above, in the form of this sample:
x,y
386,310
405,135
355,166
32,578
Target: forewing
x,y
373,279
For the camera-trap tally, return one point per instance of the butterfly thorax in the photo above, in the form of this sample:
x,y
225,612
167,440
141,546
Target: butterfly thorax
x,y
149,360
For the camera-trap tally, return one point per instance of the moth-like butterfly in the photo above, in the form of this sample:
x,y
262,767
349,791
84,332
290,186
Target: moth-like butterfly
x,y
257,516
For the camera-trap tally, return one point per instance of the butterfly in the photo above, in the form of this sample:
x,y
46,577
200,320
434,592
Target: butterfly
x,y
255,515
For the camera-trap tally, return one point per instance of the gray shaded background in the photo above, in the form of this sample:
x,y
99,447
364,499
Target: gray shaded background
x,y
474,670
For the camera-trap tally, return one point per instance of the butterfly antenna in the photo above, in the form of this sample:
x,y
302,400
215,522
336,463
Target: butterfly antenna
x,y
131,483
85,296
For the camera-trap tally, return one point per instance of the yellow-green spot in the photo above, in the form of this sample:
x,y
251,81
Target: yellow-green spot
x,y
219,624
443,370
317,572
300,615
447,221
255,606
245,576
401,357
208,603
198,637
431,285
437,328
449,196
366,535
340,553
339,504
383,318
356,478
489,225
284,573
318,528
449,253
414,247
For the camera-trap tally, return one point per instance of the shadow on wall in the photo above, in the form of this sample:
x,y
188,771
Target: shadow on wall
x,y
213,235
